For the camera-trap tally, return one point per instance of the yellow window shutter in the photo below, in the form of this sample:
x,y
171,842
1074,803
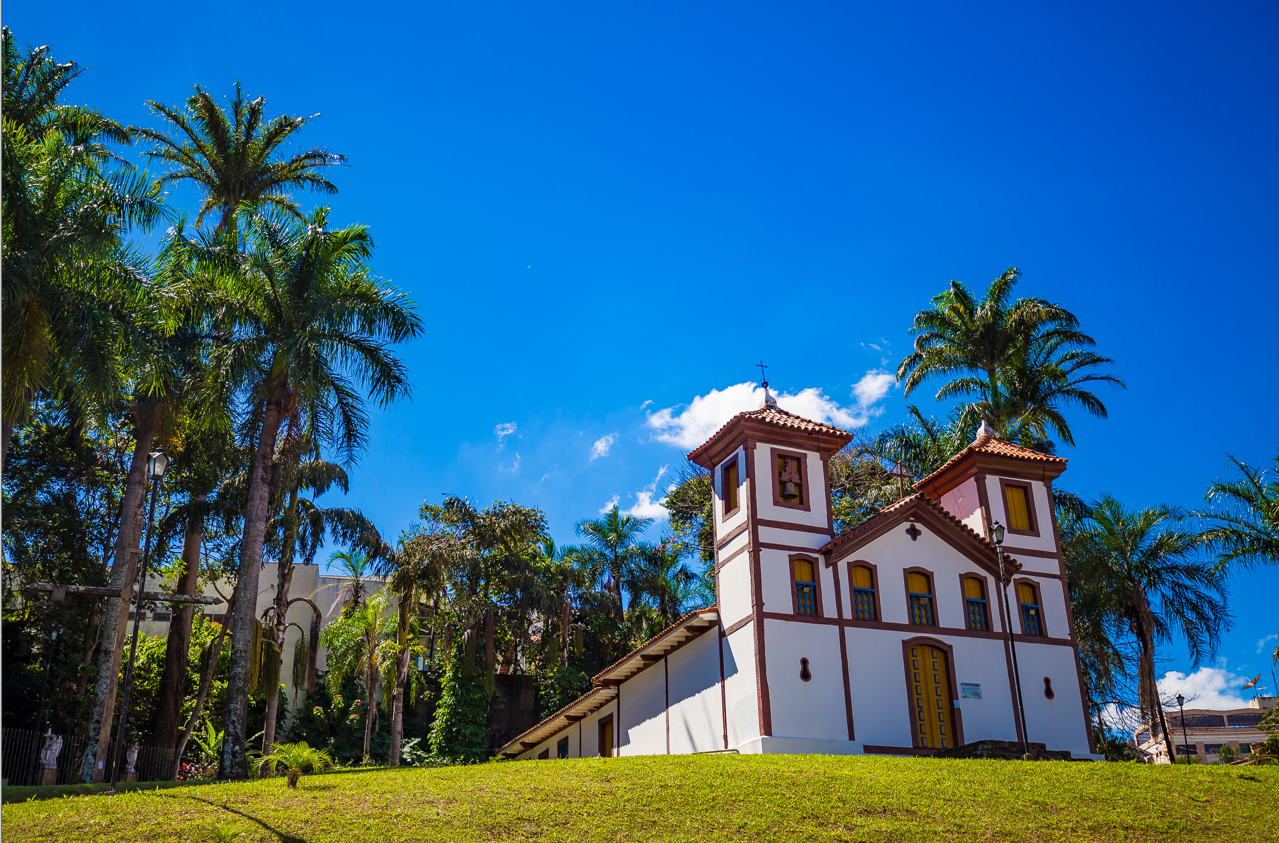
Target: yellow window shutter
x,y
803,571
1018,508
861,577
918,584
972,588
1026,594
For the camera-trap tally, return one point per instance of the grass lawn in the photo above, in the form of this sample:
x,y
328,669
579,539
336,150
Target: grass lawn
x,y
705,798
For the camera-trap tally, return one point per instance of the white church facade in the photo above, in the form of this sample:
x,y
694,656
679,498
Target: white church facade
x,y
886,639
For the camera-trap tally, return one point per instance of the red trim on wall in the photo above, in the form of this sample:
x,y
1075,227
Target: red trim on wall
x,y
843,654
757,605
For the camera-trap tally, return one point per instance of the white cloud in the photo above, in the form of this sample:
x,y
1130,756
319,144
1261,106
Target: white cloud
x,y
601,446
873,388
692,424
515,464
611,503
1207,687
1264,643
646,403
645,506
503,431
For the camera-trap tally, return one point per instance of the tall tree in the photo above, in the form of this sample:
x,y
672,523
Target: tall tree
x,y
1021,360
1137,574
70,280
1242,518
612,546
236,156
297,528
353,651
309,328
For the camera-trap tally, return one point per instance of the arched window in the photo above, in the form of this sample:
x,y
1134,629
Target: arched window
x,y
1031,618
863,593
975,611
805,587
920,594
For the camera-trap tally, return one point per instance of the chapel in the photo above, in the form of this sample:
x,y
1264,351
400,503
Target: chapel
x,y
889,638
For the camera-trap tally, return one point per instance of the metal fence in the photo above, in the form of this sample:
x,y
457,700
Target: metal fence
x,y
20,759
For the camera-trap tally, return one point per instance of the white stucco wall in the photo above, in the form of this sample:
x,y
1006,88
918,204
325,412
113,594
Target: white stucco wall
x,y
642,701
877,680
1058,722
813,709
734,587
723,527
1043,513
774,570
590,730
964,503
984,662
814,487
739,686
697,721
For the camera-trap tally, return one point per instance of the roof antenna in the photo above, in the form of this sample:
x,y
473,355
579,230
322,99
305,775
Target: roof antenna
x,y
769,400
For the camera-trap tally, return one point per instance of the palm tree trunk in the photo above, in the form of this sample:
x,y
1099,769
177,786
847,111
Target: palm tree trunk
x,y
370,676
234,764
284,573
401,677
205,682
168,703
1147,678
566,622
116,616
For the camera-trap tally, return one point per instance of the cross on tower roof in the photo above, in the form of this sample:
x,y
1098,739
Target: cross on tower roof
x,y
763,377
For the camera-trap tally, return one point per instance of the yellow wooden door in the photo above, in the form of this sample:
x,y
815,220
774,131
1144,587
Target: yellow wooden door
x,y
606,739
933,710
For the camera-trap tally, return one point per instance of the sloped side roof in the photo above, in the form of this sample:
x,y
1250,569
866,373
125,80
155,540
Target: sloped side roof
x,y
995,447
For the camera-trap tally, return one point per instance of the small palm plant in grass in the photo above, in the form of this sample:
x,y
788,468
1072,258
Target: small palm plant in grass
x,y
296,758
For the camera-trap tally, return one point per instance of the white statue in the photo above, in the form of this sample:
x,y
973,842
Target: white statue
x,y
131,759
49,752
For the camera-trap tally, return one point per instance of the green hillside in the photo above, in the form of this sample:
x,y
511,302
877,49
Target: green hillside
x,y
710,798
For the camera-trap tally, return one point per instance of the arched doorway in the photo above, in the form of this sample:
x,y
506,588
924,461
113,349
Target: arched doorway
x,y
932,708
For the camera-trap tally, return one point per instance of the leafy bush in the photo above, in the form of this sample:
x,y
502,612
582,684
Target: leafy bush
x,y
296,758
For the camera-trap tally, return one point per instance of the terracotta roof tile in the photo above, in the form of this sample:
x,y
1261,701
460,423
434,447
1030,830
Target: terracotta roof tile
x,y
778,418
987,444
887,513
633,653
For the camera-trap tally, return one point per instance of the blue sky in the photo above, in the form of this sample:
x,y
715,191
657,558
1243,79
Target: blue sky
x,y
608,211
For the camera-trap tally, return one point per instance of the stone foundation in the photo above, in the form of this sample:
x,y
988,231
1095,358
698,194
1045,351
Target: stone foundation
x,y
1005,751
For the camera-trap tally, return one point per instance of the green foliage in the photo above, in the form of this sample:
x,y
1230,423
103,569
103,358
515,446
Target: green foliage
x,y
1227,754
691,516
460,731
1243,517
1021,361
559,686
296,759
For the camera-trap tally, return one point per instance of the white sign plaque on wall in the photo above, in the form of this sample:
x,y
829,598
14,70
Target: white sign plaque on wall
x,y
969,691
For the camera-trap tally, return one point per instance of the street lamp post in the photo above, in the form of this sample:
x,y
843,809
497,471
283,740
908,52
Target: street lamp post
x,y
1185,739
997,532
155,470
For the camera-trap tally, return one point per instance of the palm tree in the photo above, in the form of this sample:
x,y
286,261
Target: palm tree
x,y
236,157
1243,516
1138,575
660,578
356,566
297,528
416,567
1021,359
611,548
70,282
308,331
353,641
296,759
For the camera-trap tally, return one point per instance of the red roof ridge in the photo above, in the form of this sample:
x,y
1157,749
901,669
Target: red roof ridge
x,y
775,416
989,444
887,512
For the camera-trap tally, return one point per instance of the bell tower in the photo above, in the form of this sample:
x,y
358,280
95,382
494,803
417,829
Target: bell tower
x,y
771,514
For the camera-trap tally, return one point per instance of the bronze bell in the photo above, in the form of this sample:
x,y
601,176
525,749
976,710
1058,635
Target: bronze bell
x,y
790,491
